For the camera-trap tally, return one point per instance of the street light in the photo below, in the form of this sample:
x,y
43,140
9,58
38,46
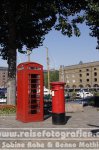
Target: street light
x,y
28,54
48,68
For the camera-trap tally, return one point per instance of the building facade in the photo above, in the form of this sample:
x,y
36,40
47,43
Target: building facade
x,y
83,75
3,76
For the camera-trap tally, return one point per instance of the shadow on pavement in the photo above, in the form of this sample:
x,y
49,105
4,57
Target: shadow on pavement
x,y
47,116
91,125
67,118
94,132
50,115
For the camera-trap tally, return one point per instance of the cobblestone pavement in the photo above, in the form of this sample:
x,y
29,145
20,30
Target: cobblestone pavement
x,y
89,118
86,119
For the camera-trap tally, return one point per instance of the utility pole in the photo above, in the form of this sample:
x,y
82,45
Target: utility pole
x,y
48,68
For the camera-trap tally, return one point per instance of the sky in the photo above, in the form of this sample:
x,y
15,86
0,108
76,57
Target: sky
x,y
63,50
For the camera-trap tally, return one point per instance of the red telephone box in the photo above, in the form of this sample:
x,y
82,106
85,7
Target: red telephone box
x,y
30,92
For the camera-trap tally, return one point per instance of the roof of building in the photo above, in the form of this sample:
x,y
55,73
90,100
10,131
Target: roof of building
x,y
95,63
3,68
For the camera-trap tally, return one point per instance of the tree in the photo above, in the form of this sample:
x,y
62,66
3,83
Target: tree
x,y
92,18
24,22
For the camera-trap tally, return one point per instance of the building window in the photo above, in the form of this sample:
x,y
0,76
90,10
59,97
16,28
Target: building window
x,y
95,79
87,74
74,86
3,76
95,69
81,86
87,69
3,79
80,80
95,73
80,75
80,70
87,80
95,85
88,85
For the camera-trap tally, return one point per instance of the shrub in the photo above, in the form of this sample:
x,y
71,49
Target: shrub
x,y
7,109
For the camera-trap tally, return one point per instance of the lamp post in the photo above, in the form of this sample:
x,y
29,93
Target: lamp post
x,y
28,54
48,68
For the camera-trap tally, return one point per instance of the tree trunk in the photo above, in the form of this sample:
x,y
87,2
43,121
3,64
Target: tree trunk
x,y
11,92
11,88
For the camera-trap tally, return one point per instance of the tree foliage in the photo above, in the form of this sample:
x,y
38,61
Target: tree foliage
x,y
92,18
26,22
54,76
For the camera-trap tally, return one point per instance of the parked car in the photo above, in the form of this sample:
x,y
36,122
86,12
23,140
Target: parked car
x,y
3,95
3,100
83,94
